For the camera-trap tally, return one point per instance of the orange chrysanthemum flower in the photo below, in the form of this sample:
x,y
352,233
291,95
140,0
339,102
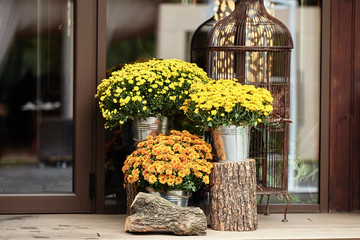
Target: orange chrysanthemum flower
x,y
171,181
181,173
198,174
163,162
206,179
152,179
162,179
130,179
178,180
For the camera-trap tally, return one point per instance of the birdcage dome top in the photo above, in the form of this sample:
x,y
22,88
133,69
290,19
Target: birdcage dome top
x,y
250,26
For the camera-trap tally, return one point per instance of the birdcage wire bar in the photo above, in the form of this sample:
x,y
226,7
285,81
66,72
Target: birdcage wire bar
x,y
252,46
201,34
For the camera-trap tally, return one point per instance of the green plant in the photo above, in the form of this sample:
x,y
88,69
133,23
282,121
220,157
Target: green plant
x,y
305,170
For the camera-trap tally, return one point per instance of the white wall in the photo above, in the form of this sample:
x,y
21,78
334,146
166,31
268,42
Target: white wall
x,y
174,23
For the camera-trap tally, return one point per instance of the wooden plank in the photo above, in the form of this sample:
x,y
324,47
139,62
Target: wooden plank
x,y
355,174
325,106
340,105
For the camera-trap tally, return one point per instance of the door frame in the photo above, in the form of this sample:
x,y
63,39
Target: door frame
x,y
99,142
344,115
85,75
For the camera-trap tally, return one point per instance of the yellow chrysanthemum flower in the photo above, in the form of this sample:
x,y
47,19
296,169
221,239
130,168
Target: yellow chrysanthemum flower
x,y
225,102
152,179
206,179
169,81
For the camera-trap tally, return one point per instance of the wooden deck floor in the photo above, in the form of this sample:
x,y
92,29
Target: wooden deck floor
x,y
93,226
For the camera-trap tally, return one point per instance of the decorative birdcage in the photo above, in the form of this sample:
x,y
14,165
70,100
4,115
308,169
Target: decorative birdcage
x,y
222,8
252,46
201,35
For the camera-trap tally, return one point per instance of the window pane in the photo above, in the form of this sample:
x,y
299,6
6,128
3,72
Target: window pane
x,y
36,96
303,19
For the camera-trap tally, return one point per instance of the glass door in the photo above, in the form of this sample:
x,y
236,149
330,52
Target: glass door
x,y
44,166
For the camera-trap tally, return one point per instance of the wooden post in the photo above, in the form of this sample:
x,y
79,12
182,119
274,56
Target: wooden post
x,y
233,196
131,193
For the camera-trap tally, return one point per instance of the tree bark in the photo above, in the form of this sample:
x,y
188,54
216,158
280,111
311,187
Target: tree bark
x,y
233,196
131,193
155,214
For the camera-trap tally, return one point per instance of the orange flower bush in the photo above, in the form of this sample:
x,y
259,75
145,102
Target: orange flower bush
x,y
174,162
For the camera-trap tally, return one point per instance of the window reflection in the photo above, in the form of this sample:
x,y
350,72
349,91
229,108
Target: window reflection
x,y
303,19
36,96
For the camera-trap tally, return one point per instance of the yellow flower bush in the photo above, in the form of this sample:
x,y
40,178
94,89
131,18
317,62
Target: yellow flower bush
x,y
154,88
174,162
227,102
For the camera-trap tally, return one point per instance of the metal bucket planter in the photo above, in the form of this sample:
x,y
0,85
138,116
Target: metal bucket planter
x,y
178,197
231,143
143,127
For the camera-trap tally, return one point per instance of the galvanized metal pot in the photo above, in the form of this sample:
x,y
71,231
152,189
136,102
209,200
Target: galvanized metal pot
x,y
143,127
178,197
231,143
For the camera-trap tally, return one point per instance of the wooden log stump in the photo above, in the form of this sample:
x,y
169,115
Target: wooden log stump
x,y
131,192
233,196
155,214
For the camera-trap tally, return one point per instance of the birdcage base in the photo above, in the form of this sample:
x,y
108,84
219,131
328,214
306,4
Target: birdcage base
x,y
274,191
